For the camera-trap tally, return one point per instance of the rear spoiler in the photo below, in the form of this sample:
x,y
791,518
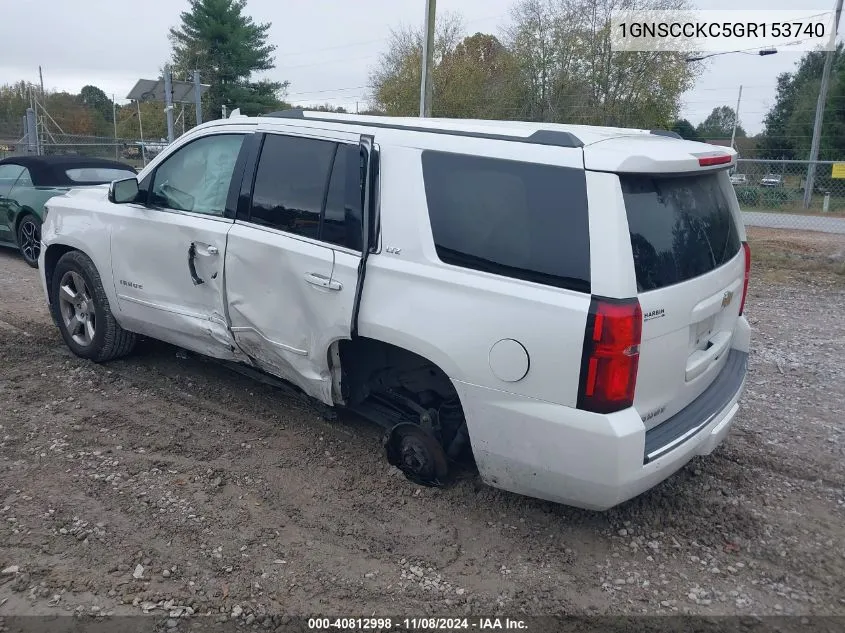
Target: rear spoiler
x,y
655,154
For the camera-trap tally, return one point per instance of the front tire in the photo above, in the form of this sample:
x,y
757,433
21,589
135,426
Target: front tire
x,y
81,310
29,239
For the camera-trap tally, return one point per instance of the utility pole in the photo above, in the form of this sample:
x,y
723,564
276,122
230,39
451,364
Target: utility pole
x,y
817,125
114,118
197,96
168,103
427,59
41,79
736,117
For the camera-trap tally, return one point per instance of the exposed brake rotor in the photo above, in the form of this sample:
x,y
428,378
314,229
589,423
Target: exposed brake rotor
x,y
417,453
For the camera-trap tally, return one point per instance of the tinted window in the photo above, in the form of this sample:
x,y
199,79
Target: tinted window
x,y
290,183
98,174
681,227
342,219
511,218
197,176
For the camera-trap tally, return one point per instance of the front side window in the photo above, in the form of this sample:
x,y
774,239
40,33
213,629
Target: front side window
x,y
197,176
515,219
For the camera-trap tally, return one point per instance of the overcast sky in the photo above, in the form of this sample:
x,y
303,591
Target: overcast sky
x,y
324,47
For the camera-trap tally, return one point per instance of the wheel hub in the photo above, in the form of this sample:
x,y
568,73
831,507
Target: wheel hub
x,y
416,453
77,308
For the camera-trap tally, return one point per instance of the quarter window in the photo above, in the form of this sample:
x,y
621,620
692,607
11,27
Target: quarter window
x,y
197,176
511,218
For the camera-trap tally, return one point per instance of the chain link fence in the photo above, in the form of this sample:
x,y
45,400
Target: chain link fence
x,y
771,194
130,151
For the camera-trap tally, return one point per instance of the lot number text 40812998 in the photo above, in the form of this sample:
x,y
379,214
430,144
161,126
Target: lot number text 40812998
x,y
417,624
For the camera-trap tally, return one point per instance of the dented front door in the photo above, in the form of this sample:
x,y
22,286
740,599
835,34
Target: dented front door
x,y
168,255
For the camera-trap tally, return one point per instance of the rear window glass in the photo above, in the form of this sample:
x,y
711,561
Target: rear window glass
x,y
511,218
681,227
98,174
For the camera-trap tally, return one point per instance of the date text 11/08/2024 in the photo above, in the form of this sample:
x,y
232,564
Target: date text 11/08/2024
x,y
416,624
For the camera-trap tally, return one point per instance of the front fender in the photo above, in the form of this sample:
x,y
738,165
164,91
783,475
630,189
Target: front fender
x,y
67,228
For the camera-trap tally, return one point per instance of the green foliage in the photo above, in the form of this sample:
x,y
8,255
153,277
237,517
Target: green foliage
x,y
789,124
554,64
226,46
97,100
748,196
719,124
152,119
685,129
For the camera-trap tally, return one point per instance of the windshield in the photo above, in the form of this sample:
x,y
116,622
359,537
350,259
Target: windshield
x,y
680,227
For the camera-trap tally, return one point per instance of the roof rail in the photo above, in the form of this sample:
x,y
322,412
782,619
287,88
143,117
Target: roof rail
x,y
668,133
540,137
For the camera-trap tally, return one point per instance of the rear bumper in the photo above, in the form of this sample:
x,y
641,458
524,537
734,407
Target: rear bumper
x,y
588,460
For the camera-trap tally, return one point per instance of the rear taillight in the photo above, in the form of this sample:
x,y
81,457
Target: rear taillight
x,y
747,250
611,355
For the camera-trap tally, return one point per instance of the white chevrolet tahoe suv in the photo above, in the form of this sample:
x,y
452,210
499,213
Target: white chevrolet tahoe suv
x,y
560,304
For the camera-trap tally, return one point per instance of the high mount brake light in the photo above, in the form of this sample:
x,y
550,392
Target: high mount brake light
x,y
611,355
709,161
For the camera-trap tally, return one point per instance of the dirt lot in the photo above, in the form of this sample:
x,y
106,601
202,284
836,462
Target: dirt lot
x,y
164,481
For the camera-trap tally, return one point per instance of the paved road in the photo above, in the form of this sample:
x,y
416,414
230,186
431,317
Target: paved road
x,y
794,221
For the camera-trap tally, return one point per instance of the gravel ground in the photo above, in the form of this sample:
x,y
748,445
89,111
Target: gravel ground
x,y
168,485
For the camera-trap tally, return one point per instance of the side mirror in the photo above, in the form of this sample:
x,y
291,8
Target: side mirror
x,y
123,191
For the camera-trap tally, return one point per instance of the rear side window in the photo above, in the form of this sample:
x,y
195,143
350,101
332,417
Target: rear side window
x,y
309,187
516,219
290,183
98,174
681,227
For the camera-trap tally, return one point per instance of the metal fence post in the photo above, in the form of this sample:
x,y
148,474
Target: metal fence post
x,y
32,144
168,103
197,96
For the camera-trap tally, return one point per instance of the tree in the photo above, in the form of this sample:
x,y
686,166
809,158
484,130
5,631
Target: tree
x,y
719,124
563,48
96,99
226,46
479,79
395,82
788,126
685,129
152,120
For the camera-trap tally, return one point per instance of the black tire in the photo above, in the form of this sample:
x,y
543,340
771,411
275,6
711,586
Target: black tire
x,y
110,341
29,238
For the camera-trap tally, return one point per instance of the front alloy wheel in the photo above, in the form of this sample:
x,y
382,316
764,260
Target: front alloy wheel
x,y
77,308
29,239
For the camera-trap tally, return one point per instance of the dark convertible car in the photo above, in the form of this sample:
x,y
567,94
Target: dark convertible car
x,y
27,182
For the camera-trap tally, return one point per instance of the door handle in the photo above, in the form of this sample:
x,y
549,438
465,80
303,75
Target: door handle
x,y
192,253
321,281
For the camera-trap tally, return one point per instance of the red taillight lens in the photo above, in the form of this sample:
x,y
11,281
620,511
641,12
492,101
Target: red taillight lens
x,y
611,355
709,161
747,250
